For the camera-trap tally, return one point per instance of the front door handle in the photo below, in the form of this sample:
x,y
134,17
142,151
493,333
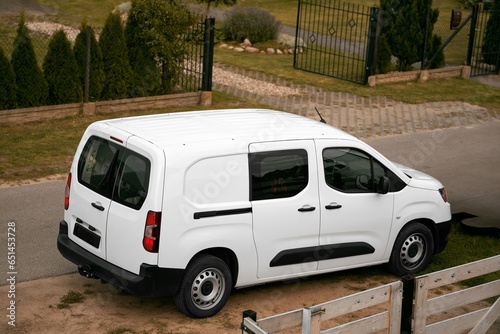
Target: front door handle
x,y
333,206
98,206
307,208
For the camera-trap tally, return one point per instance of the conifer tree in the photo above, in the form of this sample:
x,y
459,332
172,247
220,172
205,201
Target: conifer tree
x,y
32,87
96,70
147,76
117,70
8,88
491,43
61,71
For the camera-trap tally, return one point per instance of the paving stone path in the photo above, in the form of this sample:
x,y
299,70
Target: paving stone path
x,y
363,117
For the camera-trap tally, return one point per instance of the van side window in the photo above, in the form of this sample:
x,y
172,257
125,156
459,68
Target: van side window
x,y
351,170
278,174
133,180
97,165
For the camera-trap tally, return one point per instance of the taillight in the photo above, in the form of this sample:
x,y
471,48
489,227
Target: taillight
x,y
151,238
444,195
66,192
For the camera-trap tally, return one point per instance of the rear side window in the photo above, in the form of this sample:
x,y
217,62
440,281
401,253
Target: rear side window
x,y
114,172
278,174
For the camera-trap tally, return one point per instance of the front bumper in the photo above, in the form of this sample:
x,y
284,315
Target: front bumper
x,y
442,232
152,281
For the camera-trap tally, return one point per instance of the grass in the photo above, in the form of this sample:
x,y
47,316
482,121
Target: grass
x,y
72,297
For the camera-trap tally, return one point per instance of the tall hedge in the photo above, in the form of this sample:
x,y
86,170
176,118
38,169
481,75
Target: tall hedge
x,y
117,70
146,73
8,88
408,26
61,71
32,87
161,26
491,43
96,69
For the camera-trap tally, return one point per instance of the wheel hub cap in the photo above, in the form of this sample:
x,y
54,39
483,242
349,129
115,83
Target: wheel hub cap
x,y
413,251
208,288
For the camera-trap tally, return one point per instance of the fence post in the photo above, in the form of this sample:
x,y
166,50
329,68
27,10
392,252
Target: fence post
x,y
208,55
407,306
472,34
372,47
86,93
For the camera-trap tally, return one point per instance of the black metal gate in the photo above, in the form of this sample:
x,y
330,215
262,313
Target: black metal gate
x,y
336,39
484,46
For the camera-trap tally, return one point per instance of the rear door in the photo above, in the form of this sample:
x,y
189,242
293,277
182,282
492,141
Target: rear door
x,y
93,176
285,206
138,190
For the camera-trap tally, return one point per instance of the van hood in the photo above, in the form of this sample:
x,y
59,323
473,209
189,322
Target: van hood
x,y
419,179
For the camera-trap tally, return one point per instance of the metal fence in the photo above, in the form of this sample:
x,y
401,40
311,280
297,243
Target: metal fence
x,y
195,69
335,39
340,40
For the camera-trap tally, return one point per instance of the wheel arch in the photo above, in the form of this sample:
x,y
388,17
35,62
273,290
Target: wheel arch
x,y
226,255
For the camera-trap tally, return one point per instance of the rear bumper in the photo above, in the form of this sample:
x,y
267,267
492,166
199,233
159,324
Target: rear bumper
x,y
442,232
152,281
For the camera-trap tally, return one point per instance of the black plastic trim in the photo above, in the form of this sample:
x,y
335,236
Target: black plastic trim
x,y
442,232
208,214
321,253
152,281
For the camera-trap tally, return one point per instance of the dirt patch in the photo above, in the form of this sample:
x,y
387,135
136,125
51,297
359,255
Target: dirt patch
x,y
40,307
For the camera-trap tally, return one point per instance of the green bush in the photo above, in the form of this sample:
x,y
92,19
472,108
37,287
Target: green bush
x,y
146,74
117,71
8,88
253,23
491,43
160,28
61,71
32,87
438,61
96,70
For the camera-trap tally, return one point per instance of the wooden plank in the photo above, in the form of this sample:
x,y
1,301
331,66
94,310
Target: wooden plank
x,y
457,324
420,308
395,308
357,301
252,326
488,319
463,297
366,325
463,272
282,321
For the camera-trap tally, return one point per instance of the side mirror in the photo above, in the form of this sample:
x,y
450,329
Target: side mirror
x,y
383,185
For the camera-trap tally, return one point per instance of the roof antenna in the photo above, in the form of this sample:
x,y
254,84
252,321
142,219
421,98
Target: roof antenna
x,y
320,118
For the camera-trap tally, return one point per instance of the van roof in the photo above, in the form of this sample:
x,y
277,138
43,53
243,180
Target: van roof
x,y
242,126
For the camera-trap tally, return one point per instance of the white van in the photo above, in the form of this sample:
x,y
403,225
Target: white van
x,y
195,204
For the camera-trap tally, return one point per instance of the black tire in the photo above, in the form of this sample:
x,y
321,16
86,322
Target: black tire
x,y
413,250
205,287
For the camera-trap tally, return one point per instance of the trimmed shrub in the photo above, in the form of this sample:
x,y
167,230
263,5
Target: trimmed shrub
x,y
253,23
117,71
146,74
32,87
96,71
438,61
8,88
61,71
491,43
160,29
384,63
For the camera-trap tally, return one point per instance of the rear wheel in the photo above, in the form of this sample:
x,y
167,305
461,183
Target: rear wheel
x,y
205,287
413,250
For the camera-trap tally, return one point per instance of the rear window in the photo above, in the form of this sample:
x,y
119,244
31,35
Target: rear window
x,y
114,172
278,174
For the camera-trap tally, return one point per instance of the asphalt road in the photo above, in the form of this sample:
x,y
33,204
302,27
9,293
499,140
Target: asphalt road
x,y
466,160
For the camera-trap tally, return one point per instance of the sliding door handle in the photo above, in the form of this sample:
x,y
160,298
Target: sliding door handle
x,y
307,208
333,206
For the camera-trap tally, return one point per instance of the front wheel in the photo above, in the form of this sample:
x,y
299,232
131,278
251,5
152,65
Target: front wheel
x,y
205,287
413,250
